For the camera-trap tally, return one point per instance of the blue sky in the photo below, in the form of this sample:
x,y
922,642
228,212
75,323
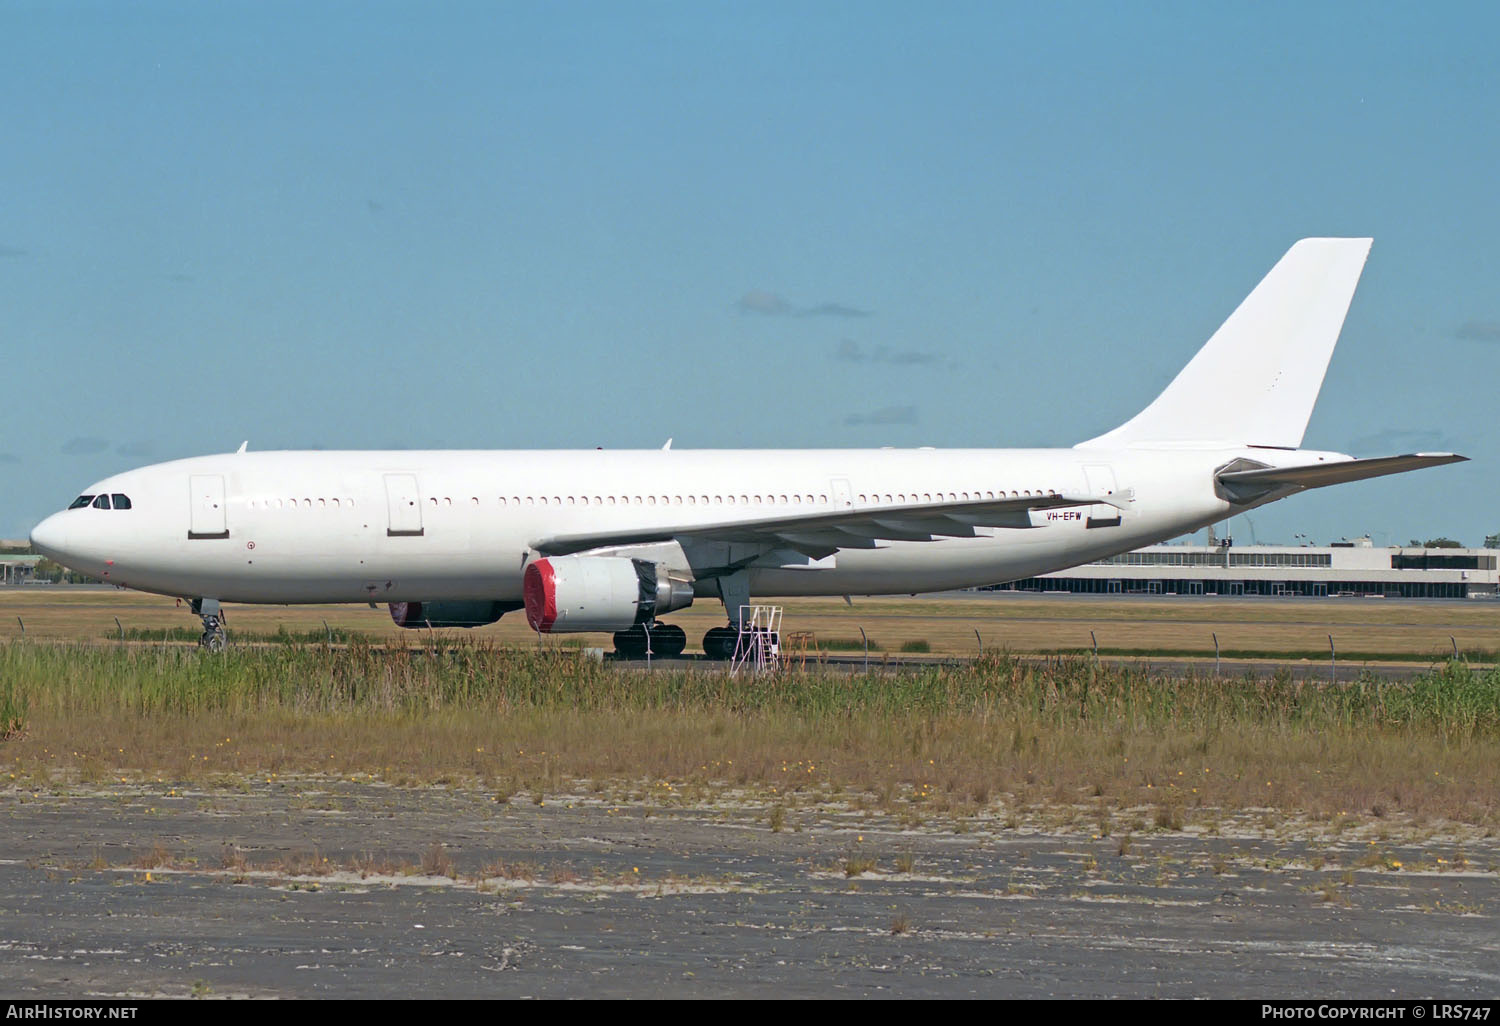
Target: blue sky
x,y
512,225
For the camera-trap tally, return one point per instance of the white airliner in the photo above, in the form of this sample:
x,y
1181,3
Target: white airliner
x,y
610,541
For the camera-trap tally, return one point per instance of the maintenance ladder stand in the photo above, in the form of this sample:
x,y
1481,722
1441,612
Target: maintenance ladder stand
x,y
759,641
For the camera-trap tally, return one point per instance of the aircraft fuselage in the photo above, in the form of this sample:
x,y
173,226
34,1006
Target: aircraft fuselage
x,y
399,526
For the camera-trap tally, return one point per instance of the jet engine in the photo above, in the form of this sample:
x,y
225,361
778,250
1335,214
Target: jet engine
x,y
600,593
416,615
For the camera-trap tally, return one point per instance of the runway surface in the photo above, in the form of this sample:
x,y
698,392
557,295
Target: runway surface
x,y
129,889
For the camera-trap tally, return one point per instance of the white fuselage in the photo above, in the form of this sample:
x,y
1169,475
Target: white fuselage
x,y
401,526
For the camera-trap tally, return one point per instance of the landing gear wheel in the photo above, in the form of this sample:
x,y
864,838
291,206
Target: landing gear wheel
x,y
213,634
631,643
668,640
719,642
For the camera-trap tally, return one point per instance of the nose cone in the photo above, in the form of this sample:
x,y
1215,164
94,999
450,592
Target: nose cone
x,y
50,537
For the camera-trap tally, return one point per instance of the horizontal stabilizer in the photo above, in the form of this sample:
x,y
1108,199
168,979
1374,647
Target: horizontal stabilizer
x,y
1248,484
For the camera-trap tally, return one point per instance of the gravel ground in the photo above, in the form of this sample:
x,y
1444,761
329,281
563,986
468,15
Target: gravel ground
x,y
637,891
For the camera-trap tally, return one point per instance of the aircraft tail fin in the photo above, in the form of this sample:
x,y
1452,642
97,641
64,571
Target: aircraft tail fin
x,y
1256,380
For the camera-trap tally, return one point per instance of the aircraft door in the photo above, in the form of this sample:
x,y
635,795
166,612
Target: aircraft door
x,y
843,497
1100,480
206,517
403,506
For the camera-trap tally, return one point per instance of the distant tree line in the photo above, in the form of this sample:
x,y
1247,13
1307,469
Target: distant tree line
x,y
46,570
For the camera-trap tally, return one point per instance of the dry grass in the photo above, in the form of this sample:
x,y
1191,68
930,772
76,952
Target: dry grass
x,y
437,862
368,865
936,741
157,858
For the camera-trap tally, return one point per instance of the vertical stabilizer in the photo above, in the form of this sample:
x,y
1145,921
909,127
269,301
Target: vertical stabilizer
x,y
1257,378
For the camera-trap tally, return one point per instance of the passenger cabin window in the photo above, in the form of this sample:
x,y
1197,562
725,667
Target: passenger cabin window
x,y
81,502
120,501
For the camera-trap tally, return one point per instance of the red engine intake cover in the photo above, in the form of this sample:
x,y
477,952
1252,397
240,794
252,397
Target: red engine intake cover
x,y
539,591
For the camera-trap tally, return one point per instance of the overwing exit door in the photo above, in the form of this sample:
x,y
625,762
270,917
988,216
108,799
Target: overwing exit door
x,y
403,506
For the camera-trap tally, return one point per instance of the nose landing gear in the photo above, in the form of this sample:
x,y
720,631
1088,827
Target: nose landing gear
x,y
214,637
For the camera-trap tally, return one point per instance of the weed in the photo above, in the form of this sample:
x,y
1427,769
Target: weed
x,y
156,858
1330,894
436,861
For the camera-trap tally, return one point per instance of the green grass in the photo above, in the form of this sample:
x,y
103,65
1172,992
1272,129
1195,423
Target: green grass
x,y
846,645
463,675
13,709
281,636
1485,657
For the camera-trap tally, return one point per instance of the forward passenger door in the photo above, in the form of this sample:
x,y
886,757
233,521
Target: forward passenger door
x,y
206,517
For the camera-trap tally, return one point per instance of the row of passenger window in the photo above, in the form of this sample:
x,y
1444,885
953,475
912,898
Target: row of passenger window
x,y
113,500
295,504
804,499
898,498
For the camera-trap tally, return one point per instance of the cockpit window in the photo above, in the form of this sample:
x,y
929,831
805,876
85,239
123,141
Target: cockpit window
x,y
120,501
102,502
81,501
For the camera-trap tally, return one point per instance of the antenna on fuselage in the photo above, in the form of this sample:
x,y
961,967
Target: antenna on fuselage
x,y
668,446
243,446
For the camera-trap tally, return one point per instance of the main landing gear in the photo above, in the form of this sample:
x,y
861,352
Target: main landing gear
x,y
720,643
667,641
214,637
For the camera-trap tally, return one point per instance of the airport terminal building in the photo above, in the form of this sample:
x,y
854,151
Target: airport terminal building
x,y
1343,568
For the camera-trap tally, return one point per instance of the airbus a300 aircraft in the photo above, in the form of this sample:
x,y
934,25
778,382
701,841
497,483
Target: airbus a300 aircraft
x,y
611,541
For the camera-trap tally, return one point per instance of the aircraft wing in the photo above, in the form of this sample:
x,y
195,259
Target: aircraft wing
x,y
1247,484
823,532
